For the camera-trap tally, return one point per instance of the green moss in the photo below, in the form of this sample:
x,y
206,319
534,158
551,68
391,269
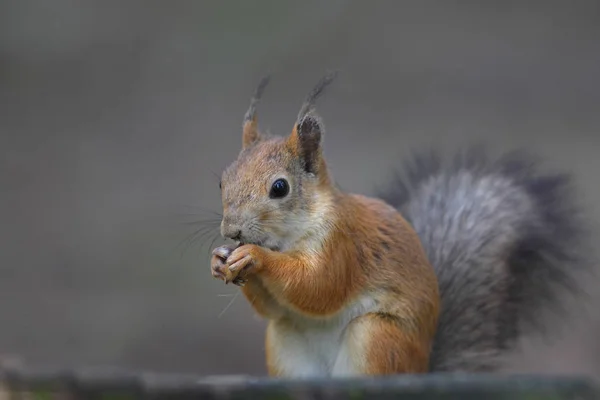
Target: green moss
x,y
42,394
355,394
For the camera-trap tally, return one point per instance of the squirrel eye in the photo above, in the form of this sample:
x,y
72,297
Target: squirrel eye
x,y
279,189
220,185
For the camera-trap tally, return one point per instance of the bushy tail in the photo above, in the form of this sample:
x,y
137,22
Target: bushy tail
x,y
503,240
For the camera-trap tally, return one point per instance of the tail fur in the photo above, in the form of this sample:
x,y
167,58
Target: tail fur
x,y
504,241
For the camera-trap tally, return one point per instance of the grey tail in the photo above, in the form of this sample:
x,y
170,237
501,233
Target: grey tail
x,y
505,242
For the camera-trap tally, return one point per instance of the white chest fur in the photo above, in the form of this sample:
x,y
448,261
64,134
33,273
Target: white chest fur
x,y
302,347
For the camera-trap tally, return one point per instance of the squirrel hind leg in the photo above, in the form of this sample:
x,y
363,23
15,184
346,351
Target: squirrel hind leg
x,y
379,344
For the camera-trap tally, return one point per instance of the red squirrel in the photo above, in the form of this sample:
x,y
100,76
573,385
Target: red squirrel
x,y
351,287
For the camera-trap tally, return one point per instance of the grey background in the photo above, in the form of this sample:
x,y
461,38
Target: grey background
x,y
115,117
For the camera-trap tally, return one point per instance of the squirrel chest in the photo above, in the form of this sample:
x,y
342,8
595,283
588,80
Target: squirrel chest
x,y
301,347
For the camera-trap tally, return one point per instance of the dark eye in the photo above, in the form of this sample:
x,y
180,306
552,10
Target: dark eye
x,y
279,189
220,185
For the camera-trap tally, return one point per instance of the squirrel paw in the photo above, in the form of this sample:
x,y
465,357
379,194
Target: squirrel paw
x,y
218,263
241,262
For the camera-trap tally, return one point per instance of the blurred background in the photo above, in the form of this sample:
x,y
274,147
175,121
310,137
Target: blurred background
x,y
116,118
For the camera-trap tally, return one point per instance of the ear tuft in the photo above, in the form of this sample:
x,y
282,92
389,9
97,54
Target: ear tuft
x,y
305,139
250,132
309,102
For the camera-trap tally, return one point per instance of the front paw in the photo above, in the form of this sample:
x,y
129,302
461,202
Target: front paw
x,y
218,260
244,260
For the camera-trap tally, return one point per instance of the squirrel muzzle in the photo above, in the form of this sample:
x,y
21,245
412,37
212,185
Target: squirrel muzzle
x,y
231,229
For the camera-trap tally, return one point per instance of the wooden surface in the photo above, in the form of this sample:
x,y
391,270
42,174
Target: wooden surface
x,y
19,382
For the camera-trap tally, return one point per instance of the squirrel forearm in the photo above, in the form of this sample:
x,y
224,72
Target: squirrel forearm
x,y
261,299
304,282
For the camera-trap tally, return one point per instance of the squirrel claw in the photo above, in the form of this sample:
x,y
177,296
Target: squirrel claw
x,y
239,282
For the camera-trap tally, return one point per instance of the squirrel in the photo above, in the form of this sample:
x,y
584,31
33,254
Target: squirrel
x,y
436,273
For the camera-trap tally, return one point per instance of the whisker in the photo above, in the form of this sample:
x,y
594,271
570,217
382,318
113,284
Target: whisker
x,y
216,175
214,234
211,246
190,214
193,238
196,208
213,241
207,214
211,222
229,305
185,246
193,207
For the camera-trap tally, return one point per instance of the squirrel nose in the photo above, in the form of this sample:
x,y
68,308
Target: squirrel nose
x,y
231,231
235,235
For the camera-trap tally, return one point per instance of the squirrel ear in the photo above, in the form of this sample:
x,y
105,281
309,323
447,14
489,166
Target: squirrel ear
x,y
305,141
250,132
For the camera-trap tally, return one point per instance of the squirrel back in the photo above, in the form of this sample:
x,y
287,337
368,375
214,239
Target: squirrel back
x,y
504,241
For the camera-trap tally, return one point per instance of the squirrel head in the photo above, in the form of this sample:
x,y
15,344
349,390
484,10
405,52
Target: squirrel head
x,y
276,188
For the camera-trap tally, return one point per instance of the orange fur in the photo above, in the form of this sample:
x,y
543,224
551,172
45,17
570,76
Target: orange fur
x,y
260,299
272,368
384,344
250,133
